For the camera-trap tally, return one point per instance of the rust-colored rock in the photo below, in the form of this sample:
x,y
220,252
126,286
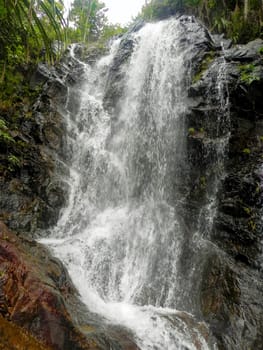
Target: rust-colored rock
x,y
36,294
30,298
13,337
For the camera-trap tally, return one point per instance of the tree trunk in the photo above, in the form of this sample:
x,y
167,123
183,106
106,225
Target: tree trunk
x,y
86,23
246,9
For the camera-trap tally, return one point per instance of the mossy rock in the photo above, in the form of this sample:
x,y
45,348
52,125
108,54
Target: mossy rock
x,y
208,59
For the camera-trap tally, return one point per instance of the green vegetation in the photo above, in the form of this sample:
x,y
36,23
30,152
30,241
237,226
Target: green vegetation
x,y
89,19
246,151
35,30
191,131
14,162
89,24
240,20
247,210
111,30
9,161
252,225
26,28
5,135
202,182
204,66
248,74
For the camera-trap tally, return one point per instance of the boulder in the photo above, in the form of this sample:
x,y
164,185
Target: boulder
x,y
39,301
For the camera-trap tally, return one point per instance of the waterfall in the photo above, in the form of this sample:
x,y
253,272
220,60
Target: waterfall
x,y
121,234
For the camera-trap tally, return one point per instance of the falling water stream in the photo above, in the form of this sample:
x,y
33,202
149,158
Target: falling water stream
x,y
120,235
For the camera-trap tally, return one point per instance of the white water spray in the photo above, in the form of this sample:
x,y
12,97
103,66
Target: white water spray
x,y
120,234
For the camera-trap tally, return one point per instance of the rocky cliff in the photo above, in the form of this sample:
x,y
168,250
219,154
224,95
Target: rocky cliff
x,y
31,136
231,289
228,295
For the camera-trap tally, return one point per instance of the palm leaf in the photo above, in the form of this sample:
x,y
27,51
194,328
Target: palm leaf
x,y
25,14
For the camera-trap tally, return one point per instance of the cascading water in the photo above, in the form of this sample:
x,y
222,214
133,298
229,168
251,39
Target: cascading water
x,y
121,234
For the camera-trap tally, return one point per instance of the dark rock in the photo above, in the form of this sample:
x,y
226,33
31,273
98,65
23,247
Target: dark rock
x,y
245,53
221,42
40,76
115,83
231,299
231,286
137,26
29,200
197,39
81,53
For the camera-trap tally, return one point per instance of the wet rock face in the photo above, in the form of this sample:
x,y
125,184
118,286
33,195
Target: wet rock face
x,y
196,39
31,196
231,288
238,225
37,299
231,301
33,288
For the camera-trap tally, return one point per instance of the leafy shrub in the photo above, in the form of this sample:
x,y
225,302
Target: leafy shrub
x,y
248,74
5,135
